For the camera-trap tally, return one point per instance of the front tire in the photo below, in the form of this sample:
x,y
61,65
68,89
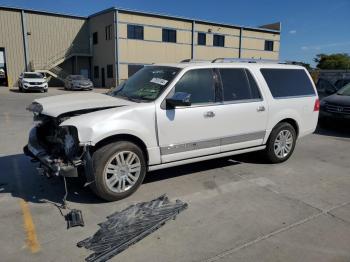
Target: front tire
x,y
281,143
119,169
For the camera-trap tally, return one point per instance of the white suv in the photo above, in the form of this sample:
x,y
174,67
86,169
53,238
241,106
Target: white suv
x,y
29,81
172,114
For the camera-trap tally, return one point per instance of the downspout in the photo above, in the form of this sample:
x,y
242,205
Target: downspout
x,y
193,32
116,45
25,39
240,43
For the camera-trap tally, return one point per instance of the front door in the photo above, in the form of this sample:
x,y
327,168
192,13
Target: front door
x,y
103,79
191,131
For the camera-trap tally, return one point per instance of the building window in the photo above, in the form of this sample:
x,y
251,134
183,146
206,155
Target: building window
x,y
135,32
268,45
108,32
132,69
109,71
169,35
96,72
219,40
202,39
94,38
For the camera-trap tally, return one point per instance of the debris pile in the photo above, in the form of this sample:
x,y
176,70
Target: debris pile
x,y
122,229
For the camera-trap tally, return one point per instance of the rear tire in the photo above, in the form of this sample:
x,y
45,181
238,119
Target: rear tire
x,y
281,143
119,169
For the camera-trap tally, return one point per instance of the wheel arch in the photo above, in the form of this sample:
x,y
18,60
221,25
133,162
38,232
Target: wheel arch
x,y
289,120
292,122
122,137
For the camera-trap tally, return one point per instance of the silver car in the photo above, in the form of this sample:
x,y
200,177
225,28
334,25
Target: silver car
x,y
77,82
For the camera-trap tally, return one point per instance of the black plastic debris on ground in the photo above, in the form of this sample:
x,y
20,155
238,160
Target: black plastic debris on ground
x,y
74,218
122,229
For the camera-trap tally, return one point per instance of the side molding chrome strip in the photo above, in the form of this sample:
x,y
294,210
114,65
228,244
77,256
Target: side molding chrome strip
x,y
179,148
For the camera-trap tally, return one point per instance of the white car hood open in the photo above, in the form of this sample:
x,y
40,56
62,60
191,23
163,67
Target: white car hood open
x,y
60,104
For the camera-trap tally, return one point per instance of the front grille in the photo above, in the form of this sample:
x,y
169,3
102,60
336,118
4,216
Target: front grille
x,y
35,83
338,109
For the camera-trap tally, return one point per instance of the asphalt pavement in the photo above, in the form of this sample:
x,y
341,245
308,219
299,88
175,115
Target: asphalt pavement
x,y
240,208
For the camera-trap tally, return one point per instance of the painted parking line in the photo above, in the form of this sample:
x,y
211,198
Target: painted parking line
x,y
29,227
28,224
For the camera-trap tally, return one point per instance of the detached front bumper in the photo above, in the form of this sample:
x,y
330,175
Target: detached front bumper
x,y
51,166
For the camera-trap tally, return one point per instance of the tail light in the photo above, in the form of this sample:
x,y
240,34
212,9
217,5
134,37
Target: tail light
x,y
317,105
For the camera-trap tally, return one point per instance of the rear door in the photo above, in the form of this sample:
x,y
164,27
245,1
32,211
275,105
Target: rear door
x,y
242,116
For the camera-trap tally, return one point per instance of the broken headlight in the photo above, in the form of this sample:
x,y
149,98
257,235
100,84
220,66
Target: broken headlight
x,y
35,107
70,140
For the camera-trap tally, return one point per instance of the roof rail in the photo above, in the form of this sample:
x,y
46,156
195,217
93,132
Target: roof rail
x,y
242,60
193,61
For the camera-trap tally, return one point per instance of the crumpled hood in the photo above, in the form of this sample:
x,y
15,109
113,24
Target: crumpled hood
x,y
60,104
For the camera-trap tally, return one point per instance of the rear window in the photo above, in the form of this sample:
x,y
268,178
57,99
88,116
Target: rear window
x,y
288,82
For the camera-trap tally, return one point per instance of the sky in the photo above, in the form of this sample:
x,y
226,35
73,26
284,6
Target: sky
x,y
309,27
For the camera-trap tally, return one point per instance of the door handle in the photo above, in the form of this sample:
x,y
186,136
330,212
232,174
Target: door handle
x,y
260,109
209,114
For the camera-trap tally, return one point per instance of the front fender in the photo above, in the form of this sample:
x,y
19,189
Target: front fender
x,y
137,120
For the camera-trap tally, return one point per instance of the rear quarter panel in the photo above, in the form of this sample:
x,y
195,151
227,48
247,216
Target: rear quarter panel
x,y
298,108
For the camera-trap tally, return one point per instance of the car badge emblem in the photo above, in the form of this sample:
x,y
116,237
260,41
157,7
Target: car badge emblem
x,y
340,109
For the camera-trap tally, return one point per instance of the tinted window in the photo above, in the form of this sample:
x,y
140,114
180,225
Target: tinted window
x,y
268,45
202,39
199,83
132,69
288,82
219,40
135,32
169,35
109,71
94,38
237,85
254,89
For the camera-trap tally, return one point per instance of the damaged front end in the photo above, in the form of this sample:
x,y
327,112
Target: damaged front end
x,y
55,147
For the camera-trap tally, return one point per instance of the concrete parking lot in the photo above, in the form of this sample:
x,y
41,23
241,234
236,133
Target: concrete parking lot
x,y
240,208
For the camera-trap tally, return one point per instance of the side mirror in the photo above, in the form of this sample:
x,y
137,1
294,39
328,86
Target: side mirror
x,y
179,99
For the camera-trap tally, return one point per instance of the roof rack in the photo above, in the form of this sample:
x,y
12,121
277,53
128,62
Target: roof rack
x,y
193,61
242,60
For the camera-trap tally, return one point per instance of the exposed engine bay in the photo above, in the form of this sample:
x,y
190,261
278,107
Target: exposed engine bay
x,y
57,147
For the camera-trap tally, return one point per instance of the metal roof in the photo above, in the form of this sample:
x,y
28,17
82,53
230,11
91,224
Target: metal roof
x,y
130,11
29,10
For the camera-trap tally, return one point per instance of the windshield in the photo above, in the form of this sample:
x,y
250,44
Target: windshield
x,y
345,91
146,84
77,77
33,75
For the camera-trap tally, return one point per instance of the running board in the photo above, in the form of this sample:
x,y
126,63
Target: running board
x,y
203,158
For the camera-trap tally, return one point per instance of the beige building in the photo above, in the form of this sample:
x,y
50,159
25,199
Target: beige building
x,y
111,45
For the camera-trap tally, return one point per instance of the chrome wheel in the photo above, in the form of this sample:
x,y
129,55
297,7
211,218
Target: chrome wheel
x,y
283,143
122,171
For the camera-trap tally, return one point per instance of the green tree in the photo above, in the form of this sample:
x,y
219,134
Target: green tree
x,y
333,61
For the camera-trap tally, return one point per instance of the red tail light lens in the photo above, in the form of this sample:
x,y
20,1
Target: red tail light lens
x,y
317,105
